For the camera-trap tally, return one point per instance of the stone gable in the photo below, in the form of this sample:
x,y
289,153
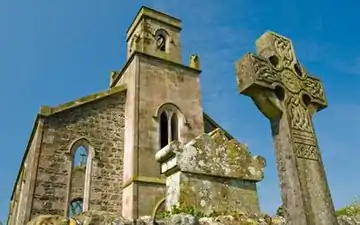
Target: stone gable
x,y
102,124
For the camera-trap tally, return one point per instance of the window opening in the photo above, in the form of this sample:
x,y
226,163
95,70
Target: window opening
x,y
80,157
76,207
161,42
163,130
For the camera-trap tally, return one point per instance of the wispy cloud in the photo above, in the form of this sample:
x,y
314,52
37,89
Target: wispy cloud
x,y
348,67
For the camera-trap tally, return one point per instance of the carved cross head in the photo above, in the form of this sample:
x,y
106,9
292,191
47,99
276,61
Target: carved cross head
x,y
274,75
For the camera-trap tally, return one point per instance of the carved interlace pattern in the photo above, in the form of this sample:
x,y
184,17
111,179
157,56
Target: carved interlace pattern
x,y
306,151
314,88
264,72
283,48
299,115
302,130
291,82
268,76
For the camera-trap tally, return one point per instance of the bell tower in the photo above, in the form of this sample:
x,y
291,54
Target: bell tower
x,y
163,104
156,34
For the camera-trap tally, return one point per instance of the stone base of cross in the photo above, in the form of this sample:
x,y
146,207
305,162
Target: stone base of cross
x,y
288,96
211,174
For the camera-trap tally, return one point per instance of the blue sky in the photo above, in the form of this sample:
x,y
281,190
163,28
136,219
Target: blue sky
x,y
54,51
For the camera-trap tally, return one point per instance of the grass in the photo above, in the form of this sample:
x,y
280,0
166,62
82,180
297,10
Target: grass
x,y
351,210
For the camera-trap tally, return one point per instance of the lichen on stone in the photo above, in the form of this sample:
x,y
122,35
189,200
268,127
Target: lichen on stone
x,y
178,215
214,153
211,173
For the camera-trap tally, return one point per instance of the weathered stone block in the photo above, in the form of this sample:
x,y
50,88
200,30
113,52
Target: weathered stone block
x,y
211,173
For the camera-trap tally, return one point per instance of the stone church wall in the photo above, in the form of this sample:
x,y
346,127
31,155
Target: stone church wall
x,y
168,83
101,123
22,195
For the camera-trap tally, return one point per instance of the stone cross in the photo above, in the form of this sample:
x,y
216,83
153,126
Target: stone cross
x,y
288,96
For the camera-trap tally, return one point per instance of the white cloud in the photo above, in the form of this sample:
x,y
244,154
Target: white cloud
x,y
349,67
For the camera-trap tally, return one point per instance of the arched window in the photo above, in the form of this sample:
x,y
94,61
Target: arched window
x,y
164,136
161,38
76,207
80,176
169,117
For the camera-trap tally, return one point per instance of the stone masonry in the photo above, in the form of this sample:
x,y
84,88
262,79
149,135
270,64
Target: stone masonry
x,y
212,174
101,122
157,83
120,128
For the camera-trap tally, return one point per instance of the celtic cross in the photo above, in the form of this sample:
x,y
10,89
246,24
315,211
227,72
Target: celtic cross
x,y
288,96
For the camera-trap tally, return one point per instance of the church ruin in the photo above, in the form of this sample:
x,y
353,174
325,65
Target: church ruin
x,y
152,101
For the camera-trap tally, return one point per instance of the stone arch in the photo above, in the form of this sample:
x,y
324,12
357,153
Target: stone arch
x,y
162,39
167,107
79,181
169,115
81,141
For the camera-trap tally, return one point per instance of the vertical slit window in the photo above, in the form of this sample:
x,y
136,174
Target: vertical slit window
x,y
163,130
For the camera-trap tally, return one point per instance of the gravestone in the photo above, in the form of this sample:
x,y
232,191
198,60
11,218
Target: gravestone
x,y
288,96
211,174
